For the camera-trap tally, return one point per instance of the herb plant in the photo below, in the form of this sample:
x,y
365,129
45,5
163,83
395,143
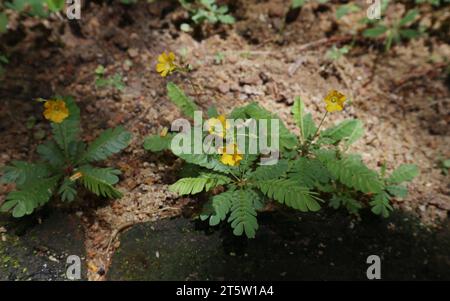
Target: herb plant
x,y
311,168
206,11
65,163
101,80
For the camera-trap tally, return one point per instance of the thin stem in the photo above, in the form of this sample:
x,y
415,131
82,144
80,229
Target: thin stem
x,y
193,87
186,70
316,133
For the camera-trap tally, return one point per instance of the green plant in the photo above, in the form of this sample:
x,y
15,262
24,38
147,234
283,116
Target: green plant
x,y
102,81
312,167
325,166
444,165
206,11
65,162
219,58
247,186
335,53
396,31
36,8
346,9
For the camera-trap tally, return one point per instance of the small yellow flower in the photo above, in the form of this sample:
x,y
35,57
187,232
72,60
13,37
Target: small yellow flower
x,y
76,176
164,132
55,110
335,101
231,159
218,126
166,64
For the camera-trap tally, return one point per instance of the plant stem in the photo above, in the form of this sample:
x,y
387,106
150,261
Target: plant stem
x,y
306,148
186,70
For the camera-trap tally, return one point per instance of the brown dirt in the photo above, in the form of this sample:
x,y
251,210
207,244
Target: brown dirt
x,y
403,102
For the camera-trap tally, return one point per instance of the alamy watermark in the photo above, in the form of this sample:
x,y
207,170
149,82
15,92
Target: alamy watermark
x,y
73,9
374,270
252,137
374,9
73,271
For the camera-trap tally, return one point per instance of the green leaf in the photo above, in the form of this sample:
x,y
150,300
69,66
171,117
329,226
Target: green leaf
x,y
352,172
157,143
356,133
4,60
77,149
298,110
349,203
67,190
375,32
25,200
100,180
350,129
243,215
55,5
212,112
297,3
346,9
446,163
308,172
189,186
409,17
267,172
203,160
409,33
181,100
381,204
404,173
51,153
253,110
290,193
23,173
309,126
108,143
221,205
205,181
397,191
226,19
3,22
67,131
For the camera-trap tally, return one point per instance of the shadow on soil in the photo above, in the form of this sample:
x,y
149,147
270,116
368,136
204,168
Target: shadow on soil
x,y
33,251
288,246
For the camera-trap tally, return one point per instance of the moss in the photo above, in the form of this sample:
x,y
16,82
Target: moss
x,y
8,259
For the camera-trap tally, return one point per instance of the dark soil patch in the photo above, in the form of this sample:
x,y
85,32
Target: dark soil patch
x,y
288,246
31,251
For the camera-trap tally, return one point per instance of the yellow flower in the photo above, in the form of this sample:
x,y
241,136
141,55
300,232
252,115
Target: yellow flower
x,y
166,63
218,126
231,159
55,110
335,101
76,176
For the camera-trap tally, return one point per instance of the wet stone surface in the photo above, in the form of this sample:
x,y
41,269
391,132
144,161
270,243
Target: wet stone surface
x,y
38,251
288,246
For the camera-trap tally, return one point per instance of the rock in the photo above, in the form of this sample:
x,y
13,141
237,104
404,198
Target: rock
x,y
223,88
180,249
252,90
250,79
133,52
34,251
